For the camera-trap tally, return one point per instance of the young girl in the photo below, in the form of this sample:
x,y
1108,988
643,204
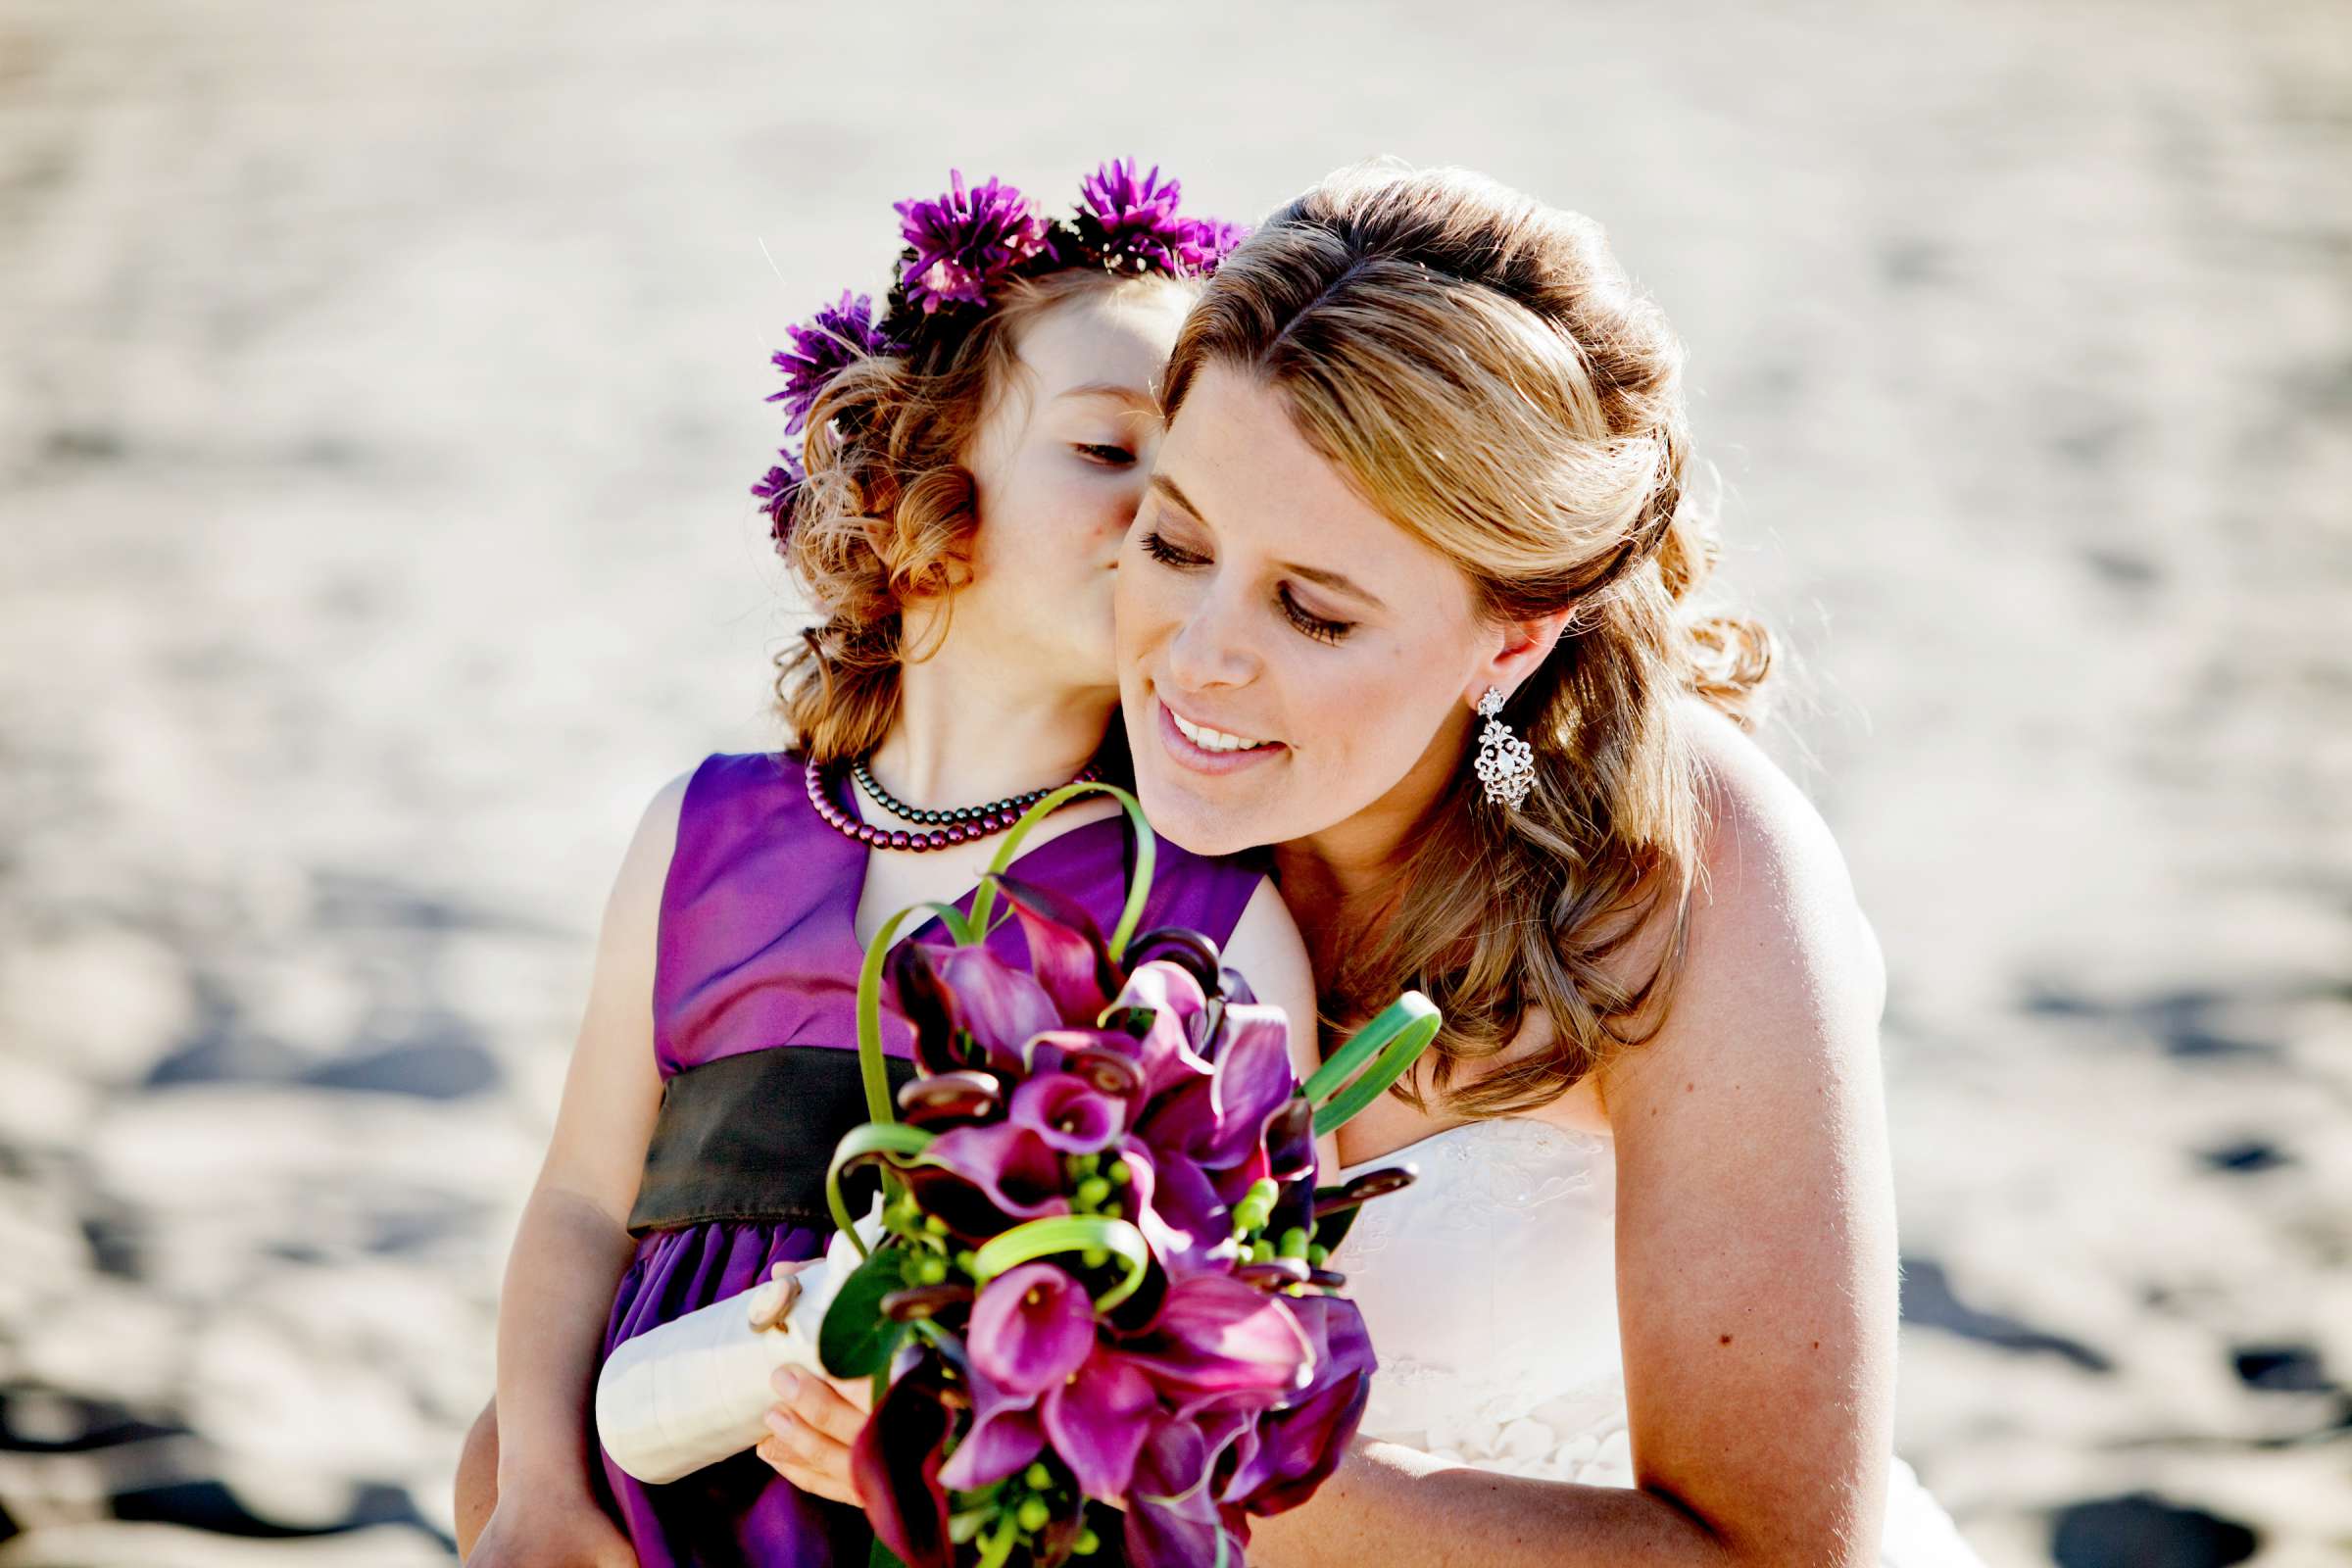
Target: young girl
x,y
972,461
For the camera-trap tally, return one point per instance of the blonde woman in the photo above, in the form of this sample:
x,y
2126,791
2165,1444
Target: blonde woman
x,y
1409,600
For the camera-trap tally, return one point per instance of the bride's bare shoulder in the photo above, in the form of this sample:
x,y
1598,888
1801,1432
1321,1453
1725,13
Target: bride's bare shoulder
x,y
1775,925
1768,860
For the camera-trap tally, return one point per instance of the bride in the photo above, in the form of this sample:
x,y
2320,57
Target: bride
x,y
1408,600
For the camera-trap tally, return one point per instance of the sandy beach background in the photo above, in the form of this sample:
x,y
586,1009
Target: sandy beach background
x,y
379,390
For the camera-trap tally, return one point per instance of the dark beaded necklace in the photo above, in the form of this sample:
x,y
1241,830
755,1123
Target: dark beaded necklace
x,y
961,824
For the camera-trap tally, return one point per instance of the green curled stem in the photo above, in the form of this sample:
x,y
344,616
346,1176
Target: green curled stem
x,y
870,1070
1390,1043
1068,1233
1139,888
890,1139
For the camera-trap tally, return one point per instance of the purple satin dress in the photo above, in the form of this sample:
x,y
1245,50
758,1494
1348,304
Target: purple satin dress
x,y
758,948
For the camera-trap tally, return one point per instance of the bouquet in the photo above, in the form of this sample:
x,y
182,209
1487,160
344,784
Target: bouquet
x,y
1098,1276
1102,1268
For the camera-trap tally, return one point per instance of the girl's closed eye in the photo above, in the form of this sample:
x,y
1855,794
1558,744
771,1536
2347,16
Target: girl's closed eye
x,y
1109,454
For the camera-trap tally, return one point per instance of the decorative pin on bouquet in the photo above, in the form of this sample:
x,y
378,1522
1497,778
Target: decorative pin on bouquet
x,y
1099,1270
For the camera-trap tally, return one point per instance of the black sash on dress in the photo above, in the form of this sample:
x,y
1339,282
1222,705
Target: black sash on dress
x,y
749,1136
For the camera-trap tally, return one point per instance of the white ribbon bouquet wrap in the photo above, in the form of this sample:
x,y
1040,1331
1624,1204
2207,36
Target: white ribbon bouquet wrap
x,y
695,1391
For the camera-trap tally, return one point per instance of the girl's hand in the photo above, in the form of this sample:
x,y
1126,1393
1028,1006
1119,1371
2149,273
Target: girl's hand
x,y
810,1430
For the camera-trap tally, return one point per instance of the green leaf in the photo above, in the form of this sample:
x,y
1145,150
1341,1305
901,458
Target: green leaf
x,y
855,1339
1138,891
881,1556
1394,1041
1068,1233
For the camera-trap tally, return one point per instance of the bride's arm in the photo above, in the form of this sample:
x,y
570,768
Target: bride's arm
x,y
1756,1258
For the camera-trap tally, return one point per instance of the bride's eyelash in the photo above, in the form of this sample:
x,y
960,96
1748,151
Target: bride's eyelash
x,y
1315,626
1109,454
1156,546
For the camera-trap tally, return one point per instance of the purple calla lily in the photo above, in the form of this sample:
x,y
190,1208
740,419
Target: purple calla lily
x,y
1253,1079
896,1461
1215,1337
1095,1420
1006,1434
1032,1327
1000,1007
1189,1226
1221,1121
1067,1112
1172,1522
1166,1052
1291,1451
1065,949
1016,1168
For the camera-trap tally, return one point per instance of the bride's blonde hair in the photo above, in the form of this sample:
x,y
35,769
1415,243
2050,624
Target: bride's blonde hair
x,y
1479,367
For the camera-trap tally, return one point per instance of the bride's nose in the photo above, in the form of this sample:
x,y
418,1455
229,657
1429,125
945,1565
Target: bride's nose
x,y
1208,650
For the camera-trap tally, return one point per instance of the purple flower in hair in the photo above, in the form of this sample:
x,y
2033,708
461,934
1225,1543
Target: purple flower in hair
x,y
1211,240
962,244
780,488
1140,227
837,338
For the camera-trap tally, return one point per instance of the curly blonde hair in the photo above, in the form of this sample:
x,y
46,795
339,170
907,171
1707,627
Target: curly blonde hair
x,y
888,509
1481,370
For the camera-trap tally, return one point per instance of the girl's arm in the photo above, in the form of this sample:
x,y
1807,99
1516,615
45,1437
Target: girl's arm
x,y
1268,951
1755,1257
572,1243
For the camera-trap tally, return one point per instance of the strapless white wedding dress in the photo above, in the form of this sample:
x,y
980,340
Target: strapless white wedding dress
x,y
1489,1289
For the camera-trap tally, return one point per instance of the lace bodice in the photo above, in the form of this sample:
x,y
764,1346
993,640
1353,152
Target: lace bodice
x,y
1490,1286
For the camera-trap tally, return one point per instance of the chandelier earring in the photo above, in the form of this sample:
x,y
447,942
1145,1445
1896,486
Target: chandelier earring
x,y
1506,764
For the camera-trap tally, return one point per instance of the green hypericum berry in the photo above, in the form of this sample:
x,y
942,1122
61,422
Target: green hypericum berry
x,y
1084,1164
1261,1250
968,1260
1293,1243
1120,1172
1088,1543
1115,1210
1318,1255
930,1268
935,1225
1262,1191
1038,1476
1033,1514
1093,1256
1092,1191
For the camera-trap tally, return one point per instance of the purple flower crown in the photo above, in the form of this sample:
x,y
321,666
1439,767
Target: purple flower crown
x,y
961,248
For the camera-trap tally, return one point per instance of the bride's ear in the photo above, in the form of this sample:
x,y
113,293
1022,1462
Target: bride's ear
x,y
1519,645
